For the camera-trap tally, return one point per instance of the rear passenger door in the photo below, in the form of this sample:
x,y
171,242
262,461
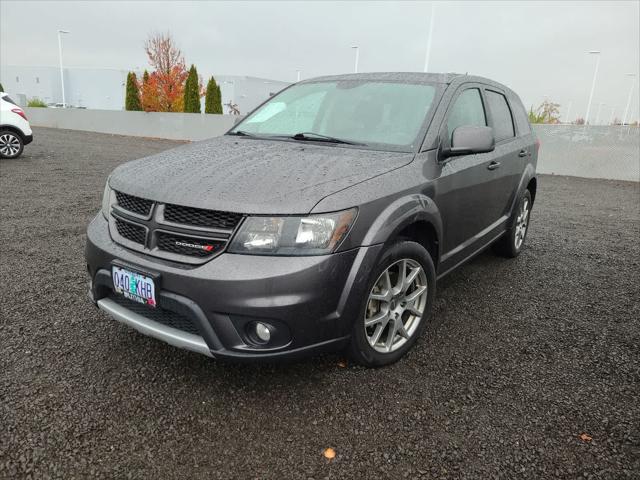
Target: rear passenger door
x,y
509,155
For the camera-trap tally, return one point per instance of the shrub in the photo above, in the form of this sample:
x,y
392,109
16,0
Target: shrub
x,y
36,102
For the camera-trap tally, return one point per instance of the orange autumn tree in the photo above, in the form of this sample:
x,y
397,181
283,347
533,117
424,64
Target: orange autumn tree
x,y
163,90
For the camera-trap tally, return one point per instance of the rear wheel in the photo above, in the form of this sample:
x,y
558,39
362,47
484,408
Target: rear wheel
x,y
511,243
11,144
394,314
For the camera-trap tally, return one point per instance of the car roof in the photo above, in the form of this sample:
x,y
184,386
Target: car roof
x,y
410,77
400,77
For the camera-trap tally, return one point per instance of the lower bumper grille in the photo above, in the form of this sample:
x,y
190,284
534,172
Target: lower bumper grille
x,y
159,314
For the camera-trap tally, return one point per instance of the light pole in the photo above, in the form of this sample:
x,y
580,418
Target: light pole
x,y
633,83
428,54
298,72
355,66
600,105
593,84
613,111
567,119
60,32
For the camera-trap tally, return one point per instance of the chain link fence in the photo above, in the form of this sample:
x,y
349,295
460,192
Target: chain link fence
x,y
611,152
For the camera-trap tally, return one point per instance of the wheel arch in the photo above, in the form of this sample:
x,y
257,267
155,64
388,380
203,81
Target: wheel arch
x,y
532,186
415,217
14,129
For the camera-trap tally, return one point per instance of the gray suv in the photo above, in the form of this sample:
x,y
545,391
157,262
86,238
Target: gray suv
x,y
321,221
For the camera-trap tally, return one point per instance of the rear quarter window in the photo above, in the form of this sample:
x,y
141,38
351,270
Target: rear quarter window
x,y
7,98
503,128
520,116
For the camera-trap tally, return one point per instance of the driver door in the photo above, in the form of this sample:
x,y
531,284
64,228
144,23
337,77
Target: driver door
x,y
465,183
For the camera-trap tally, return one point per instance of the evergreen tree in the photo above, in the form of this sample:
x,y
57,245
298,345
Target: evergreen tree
x,y
192,92
1,88
210,96
132,98
217,106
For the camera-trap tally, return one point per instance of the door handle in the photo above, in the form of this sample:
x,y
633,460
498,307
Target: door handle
x,y
523,153
493,165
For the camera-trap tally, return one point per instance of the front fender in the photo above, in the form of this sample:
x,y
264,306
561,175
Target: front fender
x,y
401,213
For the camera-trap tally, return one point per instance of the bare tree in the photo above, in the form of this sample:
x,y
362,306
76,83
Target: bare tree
x,y
163,53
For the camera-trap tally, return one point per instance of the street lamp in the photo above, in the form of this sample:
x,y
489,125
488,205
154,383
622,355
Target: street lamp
x,y
633,83
428,54
567,119
593,84
298,75
60,32
355,67
613,112
600,105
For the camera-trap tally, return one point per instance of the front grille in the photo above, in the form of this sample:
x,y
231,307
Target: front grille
x,y
200,217
131,231
158,314
188,245
138,205
176,233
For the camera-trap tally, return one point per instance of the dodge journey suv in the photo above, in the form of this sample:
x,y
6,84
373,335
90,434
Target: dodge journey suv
x,y
321,221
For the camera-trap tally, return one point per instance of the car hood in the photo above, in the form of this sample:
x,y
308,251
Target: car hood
x,y
248,175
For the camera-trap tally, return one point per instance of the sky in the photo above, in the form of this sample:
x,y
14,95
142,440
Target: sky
x,y
536,48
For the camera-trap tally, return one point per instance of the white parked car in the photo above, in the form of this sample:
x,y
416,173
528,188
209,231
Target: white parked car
x,y
15,131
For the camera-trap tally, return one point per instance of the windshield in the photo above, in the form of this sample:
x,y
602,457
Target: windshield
x,y
353,111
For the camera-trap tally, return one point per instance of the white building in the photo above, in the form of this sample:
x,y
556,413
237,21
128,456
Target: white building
x,y
104,88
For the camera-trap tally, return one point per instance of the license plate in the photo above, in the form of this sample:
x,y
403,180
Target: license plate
x,y
134,286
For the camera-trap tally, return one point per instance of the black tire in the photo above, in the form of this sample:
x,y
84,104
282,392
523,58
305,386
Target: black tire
x,y
507,245
9,142
360,350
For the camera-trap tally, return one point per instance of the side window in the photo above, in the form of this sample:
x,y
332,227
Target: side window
x,y
502,121
466,110
521,117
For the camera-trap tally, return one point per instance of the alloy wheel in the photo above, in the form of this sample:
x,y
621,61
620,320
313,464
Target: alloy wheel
x,y
9,145
395,305
522,222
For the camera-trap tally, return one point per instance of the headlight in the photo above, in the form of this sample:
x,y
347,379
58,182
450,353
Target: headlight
x,y
312,235
106,200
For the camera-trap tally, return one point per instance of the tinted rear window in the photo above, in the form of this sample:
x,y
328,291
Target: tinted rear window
x,y
8,99
521,117
502,121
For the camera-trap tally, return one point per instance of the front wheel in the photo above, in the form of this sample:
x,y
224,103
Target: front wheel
x,y
11,144
398,304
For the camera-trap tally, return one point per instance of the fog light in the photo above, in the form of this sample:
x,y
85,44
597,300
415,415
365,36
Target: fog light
x,y
263,332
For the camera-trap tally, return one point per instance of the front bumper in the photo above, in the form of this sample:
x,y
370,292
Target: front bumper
x,y
311,301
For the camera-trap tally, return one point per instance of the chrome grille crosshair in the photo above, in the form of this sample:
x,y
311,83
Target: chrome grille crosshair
x,y
173,232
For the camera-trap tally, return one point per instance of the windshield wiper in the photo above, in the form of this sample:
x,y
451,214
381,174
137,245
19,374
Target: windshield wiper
x,y
241,133
322,138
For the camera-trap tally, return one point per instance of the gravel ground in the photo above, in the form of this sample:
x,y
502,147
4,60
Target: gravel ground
x,y
522,358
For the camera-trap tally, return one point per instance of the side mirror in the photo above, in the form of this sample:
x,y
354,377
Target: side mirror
x,y
467,140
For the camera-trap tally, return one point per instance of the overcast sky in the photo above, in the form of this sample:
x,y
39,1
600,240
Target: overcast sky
x,y
536,48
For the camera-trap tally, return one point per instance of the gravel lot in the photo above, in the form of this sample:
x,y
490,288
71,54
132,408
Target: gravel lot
x,y
521,359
